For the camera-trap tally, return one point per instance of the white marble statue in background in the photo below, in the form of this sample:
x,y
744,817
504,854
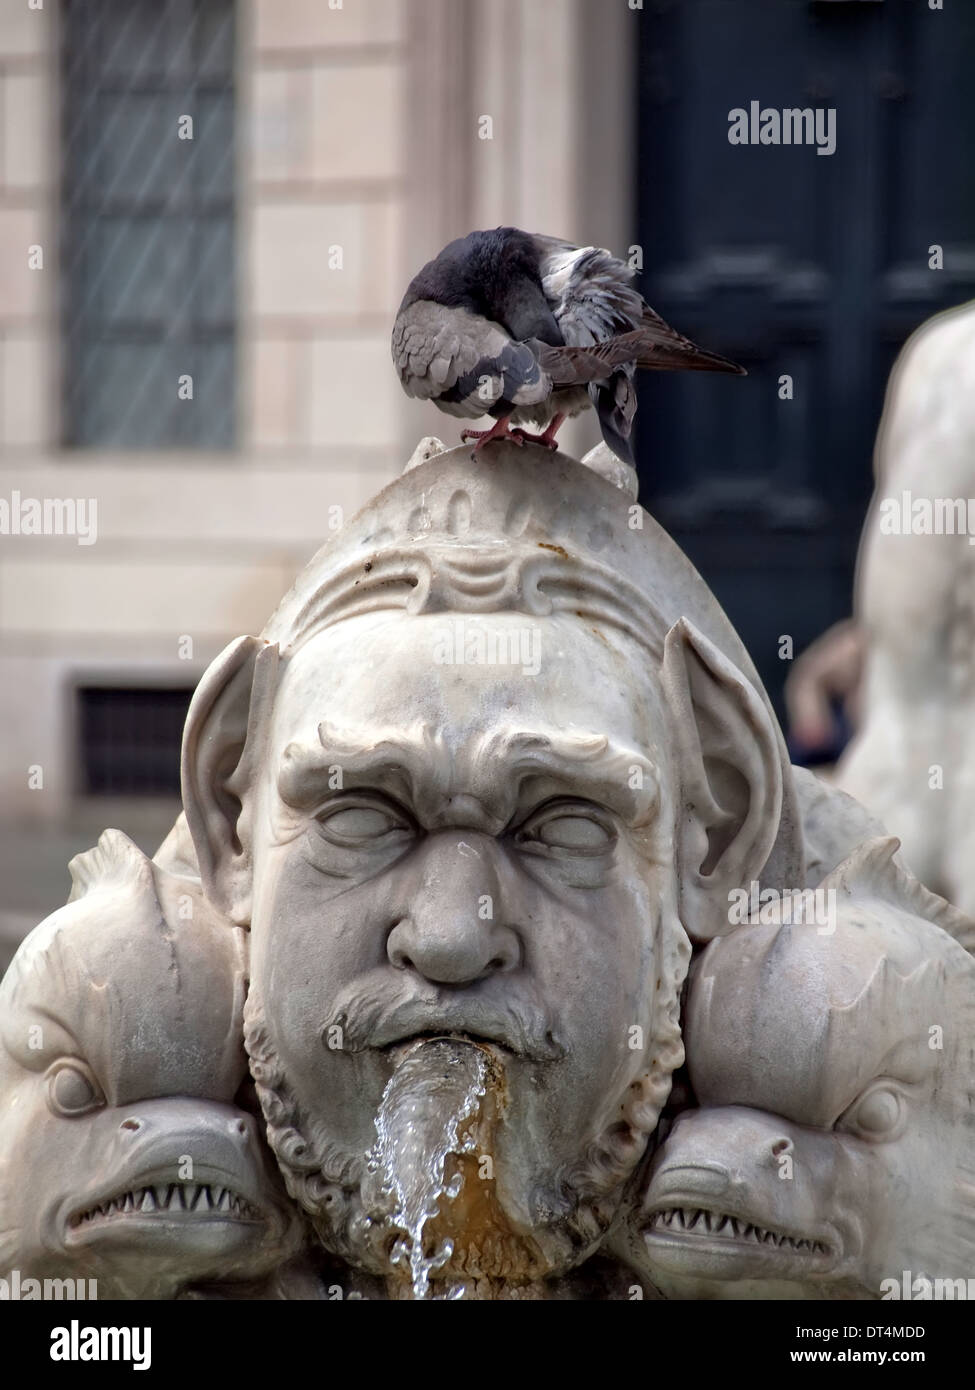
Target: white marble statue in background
x,y
905,665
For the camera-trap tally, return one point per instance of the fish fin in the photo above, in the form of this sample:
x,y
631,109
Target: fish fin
x,y
114,861
872,868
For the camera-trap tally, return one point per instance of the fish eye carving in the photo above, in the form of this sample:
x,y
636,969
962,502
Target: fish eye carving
x,y
72,1089
879,1113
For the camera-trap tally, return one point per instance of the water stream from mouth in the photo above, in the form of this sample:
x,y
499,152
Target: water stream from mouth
x,y
430,1111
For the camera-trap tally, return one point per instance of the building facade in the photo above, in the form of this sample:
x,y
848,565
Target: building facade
x,y
194,329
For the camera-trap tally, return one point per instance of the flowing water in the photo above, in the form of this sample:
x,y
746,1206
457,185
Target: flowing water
x,y
430,1111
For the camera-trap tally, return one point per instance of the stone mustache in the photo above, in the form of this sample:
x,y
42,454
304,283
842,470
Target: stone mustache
x,y
461,893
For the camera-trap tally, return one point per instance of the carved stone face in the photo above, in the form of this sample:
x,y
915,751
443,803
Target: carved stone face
x,y
440,821
446,846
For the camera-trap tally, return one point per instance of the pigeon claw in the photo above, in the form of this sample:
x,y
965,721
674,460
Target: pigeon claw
x,y
547,439
499,430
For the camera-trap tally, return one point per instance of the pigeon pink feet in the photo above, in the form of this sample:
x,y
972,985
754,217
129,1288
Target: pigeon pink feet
x,y
548,438
499,430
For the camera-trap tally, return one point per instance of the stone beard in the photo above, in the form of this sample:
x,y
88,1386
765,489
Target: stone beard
x,y
581,1200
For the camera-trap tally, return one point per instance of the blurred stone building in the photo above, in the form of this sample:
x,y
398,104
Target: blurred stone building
x,y
194,325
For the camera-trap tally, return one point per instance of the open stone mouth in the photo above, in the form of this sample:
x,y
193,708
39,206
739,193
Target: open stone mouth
x,y
701,1223
448,1035
200,1201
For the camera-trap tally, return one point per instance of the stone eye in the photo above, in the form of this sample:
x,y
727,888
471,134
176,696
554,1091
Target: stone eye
x,y
575,829
72,1089
877,1114
358,824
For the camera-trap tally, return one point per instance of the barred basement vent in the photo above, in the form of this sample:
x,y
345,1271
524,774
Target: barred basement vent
x,y
129,739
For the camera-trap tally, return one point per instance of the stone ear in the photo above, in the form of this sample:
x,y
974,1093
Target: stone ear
x,y
224,727
729,763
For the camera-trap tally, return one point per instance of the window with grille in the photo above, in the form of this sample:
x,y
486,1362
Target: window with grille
x,y
147,251
129,739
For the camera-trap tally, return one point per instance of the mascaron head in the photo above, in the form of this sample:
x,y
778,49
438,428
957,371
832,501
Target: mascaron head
x,y
494,759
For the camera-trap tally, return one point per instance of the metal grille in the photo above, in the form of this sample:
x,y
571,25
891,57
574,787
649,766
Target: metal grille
x,y
129,739
147,250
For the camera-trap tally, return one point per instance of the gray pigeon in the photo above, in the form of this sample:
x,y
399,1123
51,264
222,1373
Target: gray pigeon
x,y
530,328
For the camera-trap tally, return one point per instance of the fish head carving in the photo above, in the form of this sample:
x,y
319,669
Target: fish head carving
x,y
123,1153
832,1062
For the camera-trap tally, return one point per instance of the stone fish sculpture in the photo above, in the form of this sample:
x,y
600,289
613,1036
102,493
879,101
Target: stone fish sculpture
x,y
123,1156
834,1147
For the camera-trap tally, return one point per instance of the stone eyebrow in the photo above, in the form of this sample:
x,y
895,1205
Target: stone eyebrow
x,y
417,768
308,769
607,770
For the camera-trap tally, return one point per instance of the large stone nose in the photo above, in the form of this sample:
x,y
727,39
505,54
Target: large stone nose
x,y
455,931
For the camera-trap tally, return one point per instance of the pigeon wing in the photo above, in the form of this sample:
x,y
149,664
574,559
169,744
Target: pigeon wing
x,y
590,291
663,349
653,345
464,362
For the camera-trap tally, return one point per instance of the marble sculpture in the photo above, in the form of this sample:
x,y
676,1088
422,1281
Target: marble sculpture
x,y
400,1008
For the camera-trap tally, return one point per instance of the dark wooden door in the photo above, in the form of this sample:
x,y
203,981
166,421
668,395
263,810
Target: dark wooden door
x,y
795,263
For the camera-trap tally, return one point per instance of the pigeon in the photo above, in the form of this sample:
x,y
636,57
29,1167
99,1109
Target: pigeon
x,y
531,329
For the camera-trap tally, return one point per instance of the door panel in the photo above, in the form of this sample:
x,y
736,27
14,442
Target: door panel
x,y
796,263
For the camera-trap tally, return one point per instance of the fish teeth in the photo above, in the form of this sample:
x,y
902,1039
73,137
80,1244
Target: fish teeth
x,y
224,1202
697,1220
701,1220
148,1200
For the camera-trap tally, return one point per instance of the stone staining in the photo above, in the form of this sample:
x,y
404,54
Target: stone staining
x,y
443,912
431,1167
